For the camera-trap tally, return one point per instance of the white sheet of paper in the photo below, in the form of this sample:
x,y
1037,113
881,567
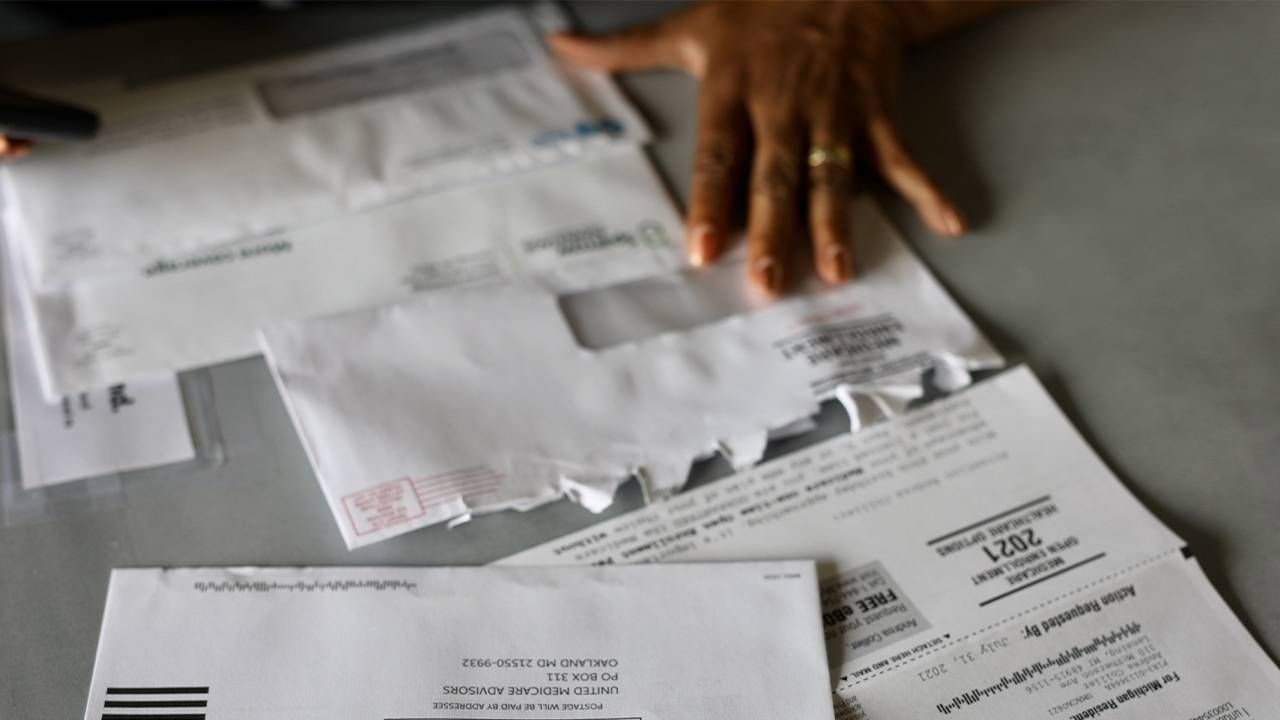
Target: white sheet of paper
x,y
898,506
474,401
942,535
1154,644
229,159
121,427
575,225
494,643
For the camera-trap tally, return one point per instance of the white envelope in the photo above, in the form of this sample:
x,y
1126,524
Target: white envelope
x,y
745,643
484,399
575,225
229,158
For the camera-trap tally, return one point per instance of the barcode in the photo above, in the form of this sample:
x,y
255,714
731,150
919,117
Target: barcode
x,y
177,702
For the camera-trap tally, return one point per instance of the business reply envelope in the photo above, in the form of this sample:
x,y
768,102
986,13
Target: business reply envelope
x,y
728,641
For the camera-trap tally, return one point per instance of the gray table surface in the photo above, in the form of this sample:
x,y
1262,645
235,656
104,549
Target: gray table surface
x,y
1122,162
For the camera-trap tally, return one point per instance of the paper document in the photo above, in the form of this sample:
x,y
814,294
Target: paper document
x,y
120,427
492,643
576,225
232,158
978,560
1155,644
473,401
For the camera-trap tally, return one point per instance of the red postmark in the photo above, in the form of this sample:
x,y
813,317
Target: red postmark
x,y
401,501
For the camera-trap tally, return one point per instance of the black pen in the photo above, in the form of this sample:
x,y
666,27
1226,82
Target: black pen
x,y
33,118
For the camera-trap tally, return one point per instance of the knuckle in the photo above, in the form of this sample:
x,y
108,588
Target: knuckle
x,y
778,109
714,161
693,55
777,177
863,76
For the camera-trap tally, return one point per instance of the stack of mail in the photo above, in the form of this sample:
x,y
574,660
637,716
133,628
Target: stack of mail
x,y
974,557
967,556
212,206
459,157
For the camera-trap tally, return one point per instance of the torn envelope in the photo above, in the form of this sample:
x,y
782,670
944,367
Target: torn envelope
x,y
731,641
484,399
228,159
600,220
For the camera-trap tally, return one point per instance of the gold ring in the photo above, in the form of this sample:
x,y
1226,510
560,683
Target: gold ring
x,y
837,155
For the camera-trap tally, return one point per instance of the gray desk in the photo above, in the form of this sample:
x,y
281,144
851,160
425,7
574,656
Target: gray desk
x,y
1123,162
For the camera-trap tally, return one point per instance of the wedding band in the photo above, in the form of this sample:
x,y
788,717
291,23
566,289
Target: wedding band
x,y
837,155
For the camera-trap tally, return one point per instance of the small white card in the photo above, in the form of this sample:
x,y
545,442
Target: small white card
x,y
121,427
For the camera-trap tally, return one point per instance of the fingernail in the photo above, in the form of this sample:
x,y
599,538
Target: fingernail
x,y
952,222
839,264
702,245
770,271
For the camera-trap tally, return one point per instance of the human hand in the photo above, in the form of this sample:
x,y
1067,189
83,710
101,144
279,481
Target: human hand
x,y
787,91
13,148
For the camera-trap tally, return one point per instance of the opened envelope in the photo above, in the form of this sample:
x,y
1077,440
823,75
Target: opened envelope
x,y
732,641
477,400
228,158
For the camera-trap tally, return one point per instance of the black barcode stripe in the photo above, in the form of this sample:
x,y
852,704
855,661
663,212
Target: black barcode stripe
x,y
170,716
158,690
157,703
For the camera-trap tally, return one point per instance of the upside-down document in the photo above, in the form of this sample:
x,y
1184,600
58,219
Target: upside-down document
x,y
978,561
494,643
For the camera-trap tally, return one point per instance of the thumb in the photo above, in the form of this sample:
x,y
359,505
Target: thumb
x,y
638,48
